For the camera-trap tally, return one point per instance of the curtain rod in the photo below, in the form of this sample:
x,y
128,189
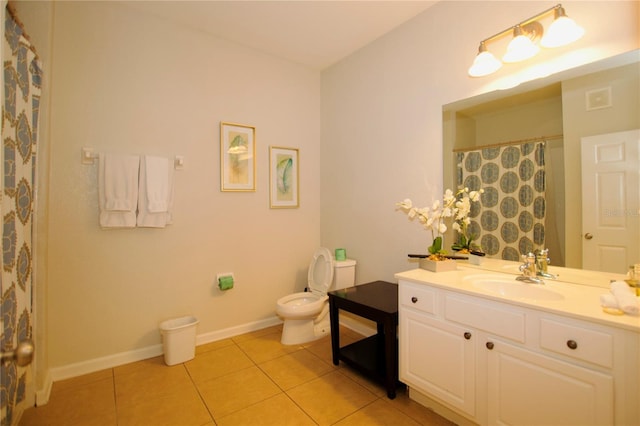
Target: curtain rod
x,y
513,142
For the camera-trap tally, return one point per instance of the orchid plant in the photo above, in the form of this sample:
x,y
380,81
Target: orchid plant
x,y
455,206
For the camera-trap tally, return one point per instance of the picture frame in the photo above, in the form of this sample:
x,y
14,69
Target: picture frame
x,y
237,157
284,192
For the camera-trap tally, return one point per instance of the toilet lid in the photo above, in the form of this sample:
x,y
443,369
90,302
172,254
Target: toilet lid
x,y
320,271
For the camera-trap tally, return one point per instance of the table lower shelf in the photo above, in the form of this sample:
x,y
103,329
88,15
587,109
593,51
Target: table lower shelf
x,y
368,357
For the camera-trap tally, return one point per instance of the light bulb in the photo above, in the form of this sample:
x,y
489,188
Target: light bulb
x,y
563,30
520,48
484,64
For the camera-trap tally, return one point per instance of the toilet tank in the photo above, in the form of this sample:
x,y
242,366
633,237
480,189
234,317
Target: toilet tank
x,y
344,274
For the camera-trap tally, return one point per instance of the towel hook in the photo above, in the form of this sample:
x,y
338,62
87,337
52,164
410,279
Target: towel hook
x,y
88,156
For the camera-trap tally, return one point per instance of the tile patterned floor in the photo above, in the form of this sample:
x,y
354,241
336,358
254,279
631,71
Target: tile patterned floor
x,y
250,379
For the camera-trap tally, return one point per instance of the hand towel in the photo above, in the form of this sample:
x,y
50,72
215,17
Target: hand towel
x,y
157,175
155,203
608,300
626,298
118,190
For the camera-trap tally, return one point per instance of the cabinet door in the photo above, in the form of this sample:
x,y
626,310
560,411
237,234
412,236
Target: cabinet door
x,y
525,388
438,359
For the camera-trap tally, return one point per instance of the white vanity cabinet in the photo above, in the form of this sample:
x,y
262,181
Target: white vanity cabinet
x,y
448,372
501,363
524,387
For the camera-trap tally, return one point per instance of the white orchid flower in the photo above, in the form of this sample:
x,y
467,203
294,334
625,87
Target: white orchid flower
x,y
448,196
454,205
474,195
406,204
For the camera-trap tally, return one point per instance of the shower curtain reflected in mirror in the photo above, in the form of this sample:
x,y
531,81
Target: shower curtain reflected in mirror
x,y
510,218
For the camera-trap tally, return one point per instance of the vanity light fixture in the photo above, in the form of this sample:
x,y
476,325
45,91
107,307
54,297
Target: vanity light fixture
x,y
526,34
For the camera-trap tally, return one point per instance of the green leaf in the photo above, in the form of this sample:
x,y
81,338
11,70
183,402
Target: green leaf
x,y
436,246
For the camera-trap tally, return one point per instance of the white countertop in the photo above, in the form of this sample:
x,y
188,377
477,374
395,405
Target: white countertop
x,y
568,275
579,301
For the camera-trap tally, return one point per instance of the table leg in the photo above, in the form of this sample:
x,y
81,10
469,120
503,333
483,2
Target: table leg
x,y
335,332
391,357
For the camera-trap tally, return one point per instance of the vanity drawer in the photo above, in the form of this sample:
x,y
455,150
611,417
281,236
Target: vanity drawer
x,y
417,297
486,316
577,342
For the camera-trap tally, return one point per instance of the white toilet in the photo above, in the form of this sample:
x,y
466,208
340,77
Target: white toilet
x,y
306,314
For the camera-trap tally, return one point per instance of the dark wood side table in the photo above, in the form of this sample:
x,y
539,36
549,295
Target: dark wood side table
x,y
376,356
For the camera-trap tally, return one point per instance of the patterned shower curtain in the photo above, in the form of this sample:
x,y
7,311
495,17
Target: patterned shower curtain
x,y
509,220
22,77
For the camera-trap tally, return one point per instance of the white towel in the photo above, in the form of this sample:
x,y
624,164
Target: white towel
x,y
118,190
608,300
155,202
157,175
626,298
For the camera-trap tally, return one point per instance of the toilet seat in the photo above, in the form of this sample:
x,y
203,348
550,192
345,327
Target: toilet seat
x,y
302,304
320,273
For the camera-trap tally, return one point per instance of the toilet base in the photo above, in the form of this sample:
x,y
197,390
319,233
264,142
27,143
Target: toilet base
x,y
297,332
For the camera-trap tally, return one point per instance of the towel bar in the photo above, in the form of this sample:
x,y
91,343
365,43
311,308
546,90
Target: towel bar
x,y
89,157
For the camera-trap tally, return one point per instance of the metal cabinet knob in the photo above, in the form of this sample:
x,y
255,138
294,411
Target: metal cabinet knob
x,y
588,236
467,335
572,344
414,299
489,345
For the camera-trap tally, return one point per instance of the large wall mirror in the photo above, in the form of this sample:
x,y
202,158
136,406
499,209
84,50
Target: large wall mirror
x,y
558,158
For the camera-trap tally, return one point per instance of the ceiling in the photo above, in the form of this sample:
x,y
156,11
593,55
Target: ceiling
x,y
314,33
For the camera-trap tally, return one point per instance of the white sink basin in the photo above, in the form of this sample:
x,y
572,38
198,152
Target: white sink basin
x,y
512,289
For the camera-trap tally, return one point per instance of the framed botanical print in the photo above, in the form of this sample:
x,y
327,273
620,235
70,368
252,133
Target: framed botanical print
x,y
237,157
283,177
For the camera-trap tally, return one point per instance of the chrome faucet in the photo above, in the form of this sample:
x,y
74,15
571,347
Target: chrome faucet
x,y
529,270
542,262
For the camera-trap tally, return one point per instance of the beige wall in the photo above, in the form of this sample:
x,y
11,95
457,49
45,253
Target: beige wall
x,y
538,118
382,115
128,83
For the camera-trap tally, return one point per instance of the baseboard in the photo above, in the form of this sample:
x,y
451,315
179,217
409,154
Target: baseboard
x,y
42,395
358,324
102,363
226,333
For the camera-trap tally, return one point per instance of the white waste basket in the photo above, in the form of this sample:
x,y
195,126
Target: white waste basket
x,y
179,339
